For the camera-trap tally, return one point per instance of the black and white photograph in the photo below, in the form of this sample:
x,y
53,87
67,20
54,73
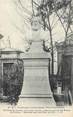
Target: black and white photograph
x,y
36,56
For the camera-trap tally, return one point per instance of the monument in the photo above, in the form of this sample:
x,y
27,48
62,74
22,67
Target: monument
x,y
65,60
11,75
36,72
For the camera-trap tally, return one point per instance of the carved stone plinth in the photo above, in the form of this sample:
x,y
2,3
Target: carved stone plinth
x,y
36,72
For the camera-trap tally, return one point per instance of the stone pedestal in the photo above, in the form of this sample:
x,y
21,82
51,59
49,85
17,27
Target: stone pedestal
x,y
36,72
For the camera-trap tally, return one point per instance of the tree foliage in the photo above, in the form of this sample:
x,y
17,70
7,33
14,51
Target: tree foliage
x,y
63,10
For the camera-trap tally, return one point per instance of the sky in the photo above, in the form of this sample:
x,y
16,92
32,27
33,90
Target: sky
x,y
14,27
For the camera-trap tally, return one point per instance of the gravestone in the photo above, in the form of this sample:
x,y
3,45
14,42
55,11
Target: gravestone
x,y
65,57
11,74
36,72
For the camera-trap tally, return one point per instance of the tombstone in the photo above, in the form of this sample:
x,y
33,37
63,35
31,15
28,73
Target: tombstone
x,y
11,74
65,59
36,72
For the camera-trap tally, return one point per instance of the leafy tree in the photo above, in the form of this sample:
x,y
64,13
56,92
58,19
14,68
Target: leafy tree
x,y
63,10
65,15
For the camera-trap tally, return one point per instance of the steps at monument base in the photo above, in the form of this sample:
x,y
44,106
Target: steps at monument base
x,y
36,102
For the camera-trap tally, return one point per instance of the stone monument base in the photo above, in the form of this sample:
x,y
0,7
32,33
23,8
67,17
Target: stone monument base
x,y
36,72
36,78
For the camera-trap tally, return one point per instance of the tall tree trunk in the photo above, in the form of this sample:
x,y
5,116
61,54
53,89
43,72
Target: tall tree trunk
x,y
51,42
52,53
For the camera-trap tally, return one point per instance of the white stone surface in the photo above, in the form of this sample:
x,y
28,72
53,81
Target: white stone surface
x,y
36,72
